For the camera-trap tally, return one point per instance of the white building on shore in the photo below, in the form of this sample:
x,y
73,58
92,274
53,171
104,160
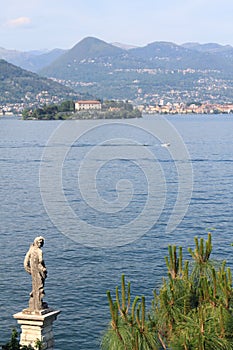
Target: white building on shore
x,y
87,105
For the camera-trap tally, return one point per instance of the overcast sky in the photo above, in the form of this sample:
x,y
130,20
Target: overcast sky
x,y
46,24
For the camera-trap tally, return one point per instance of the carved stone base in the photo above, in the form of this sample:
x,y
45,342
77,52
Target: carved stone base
x,y
37,326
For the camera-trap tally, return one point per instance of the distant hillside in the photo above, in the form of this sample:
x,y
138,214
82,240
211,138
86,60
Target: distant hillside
x,y
159,70
171,56
124,46
75,63
93,52
18,85
31,60
208,47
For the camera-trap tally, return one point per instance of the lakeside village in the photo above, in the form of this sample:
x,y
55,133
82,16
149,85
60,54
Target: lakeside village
x,y
10,109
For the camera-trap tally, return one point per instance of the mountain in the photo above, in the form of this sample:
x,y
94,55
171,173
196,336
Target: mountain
x,y
37,62
166,55
89,51
208,47
224,52
124,46
159,70
20,86
91,47
31,60
93,52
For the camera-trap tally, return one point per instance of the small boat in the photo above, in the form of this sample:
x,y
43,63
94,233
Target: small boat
x,y
165,144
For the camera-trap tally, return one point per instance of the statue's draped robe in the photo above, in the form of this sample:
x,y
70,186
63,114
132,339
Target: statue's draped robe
x,y
34,264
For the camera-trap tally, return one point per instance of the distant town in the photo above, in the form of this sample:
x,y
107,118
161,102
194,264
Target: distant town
x,y
182,108
159,78
10,109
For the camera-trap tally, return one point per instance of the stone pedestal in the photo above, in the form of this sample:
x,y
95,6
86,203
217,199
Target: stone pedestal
x,y
37,326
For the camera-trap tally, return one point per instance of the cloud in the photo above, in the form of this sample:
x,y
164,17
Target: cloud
x,y
18,22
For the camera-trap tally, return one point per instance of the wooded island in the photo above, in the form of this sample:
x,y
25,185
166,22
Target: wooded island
x,y
108,109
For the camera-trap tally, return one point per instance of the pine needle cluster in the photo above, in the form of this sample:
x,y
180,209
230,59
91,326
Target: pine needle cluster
x,y
192,310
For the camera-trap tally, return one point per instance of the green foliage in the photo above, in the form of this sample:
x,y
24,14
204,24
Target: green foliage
x,y
13,344
154,70
66,106
192,310
111,110
50,112
157,71
129,328
18,85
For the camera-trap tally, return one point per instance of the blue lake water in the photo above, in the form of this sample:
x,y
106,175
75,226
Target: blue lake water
x,y
81,269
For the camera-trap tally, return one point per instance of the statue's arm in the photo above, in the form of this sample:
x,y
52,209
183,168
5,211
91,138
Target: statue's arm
x,y
42,267
27,262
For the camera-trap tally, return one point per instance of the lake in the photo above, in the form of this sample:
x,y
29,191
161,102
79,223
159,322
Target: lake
x,y
108,197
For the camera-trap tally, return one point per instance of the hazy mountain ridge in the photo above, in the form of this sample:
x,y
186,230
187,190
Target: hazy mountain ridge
x,y
30,60
124,46
163,55
146,73
159,70
84,52
208,47
91,47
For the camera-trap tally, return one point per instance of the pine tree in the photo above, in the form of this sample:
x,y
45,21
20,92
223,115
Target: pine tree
x,y
192,310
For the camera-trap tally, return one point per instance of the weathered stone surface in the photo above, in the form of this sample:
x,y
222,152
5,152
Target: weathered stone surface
x,y
37,327
35,266
36,321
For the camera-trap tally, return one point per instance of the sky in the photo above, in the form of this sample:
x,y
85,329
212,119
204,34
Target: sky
x,y
47,24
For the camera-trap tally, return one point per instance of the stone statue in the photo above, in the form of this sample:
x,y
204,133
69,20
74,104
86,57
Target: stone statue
x,y
35,266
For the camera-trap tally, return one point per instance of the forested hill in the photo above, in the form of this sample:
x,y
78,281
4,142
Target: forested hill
x,y
159,70
18,85
95,53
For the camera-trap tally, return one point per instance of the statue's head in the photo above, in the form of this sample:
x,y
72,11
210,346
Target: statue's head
x,y
39,241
